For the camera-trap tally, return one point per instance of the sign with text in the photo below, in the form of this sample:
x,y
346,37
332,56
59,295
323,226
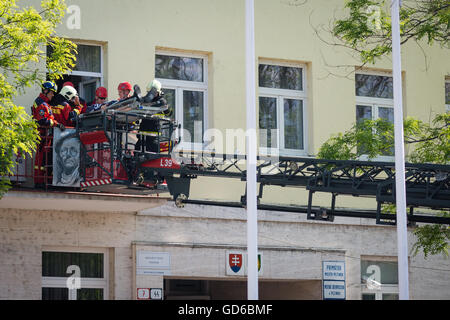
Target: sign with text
x,y
152,263
333,290
333,278
333,270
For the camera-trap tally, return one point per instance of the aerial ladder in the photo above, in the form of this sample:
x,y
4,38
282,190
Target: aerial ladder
x,y
109,158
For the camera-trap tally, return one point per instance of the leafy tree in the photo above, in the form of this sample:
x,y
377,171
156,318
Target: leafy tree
x,y
430,143
367,27
24,35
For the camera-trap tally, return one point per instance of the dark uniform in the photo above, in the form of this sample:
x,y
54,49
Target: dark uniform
x,y
152,128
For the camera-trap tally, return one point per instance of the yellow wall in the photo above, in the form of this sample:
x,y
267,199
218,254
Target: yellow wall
x,y
132,30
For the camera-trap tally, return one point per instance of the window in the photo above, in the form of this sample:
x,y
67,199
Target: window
x,y
93,274
447,95
184,82
87,75
379,280
282,108
374,100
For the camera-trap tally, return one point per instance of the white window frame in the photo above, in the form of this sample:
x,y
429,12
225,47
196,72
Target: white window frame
x,y
91,283
179,86
383,288
375,103
87,73
280,95
447,106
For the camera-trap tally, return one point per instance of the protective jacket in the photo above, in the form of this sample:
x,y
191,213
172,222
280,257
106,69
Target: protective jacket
x,y
43,115
42,112
63,112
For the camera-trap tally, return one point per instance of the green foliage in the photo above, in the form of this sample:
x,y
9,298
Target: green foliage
x,y
430,144
24,35
367,27
374,138
432,239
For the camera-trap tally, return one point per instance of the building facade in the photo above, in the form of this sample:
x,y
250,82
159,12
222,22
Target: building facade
x,y
122,244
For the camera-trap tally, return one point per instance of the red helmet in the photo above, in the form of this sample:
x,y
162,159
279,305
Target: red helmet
x,y
68,83
101,92
124,86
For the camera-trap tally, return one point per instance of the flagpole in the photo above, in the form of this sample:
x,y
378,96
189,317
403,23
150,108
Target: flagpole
x,y
252,220
400,189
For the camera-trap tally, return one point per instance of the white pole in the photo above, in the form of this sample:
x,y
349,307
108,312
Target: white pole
x,y
252,219
400,189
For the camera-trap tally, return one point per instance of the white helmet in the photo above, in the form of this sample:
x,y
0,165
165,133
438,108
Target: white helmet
x,y
68,92
154,84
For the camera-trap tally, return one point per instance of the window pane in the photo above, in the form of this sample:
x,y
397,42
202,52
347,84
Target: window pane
x,y
386,271
89,294
368,296
55,294
390,296
193,115
54,264
386,113
169,95
447,93
373,86
88,58
179,68
89,91
363,112
293,124
280,77
268,122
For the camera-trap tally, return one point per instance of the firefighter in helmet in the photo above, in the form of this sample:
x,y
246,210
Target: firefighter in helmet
x,y
150,128
43,115
65,107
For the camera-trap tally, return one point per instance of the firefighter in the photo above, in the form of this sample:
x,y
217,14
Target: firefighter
x,y
79,103
151,126
43,115
124,90
99,103
66,106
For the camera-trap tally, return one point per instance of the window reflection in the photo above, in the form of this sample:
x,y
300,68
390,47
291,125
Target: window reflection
x,y
373,86
193,114
179,68
280,77
268,122
293,124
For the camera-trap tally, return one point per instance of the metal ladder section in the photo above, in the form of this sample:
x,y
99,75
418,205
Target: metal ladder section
x,y
427,185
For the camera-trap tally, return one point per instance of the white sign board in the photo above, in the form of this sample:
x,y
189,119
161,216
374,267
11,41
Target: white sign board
x,y
333,278
152,263
333,270
333,290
